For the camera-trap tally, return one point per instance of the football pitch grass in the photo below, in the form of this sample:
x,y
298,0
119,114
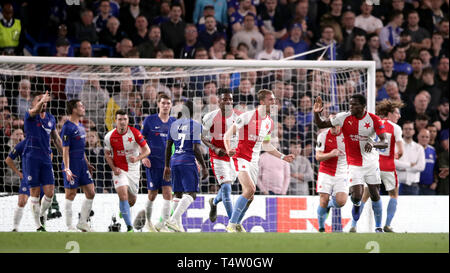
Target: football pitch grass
x,y
144,242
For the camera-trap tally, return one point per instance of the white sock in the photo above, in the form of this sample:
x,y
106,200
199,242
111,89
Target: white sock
x,y
46,202
18,213
165,211
86,210
68,212
184,203
176,202
148,210
35,208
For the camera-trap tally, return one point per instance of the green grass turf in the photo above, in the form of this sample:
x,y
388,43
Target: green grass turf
x,y
29,242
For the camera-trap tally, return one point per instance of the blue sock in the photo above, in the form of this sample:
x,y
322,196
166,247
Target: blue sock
x,y
125,210
243,212
321,216
361,207
391,209
239,208
332,203
218,197
377,212
226,198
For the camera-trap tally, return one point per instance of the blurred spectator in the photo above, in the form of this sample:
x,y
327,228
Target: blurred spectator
x,y
428,183
100,21
269,52
350,31
177,91
86,30
392,91
172,31
367,21
191,42
116,102
387,64
237,18
420,37
149,98
74,83
415,78
434,140
390,34
421,122
216,8
62,47
443,164
12,34
411,163
425,57
442,114
135,111
406,43
140,33
420,106
128,14
85,49
444,30
218,48
111,35
95,154
300,16
295,41
333,18
210,33
442,75
275,18
380,80
164,11
437,48
22,103
11,180
248,35
167,53
431,14
95,99
274,175
305,116
430,86
402,83
149,48
400,64
245,93
326,39
123,48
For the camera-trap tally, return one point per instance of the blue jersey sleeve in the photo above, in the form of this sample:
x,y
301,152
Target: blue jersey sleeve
x,y
66,133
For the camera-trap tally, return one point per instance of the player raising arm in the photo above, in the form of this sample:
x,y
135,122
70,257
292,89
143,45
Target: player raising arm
x,y
185,133
389,111
77,171
39,127
254,128
125,147
215,124
359,128
332,177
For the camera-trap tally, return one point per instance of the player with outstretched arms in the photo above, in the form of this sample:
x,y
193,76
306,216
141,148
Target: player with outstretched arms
x,y
24,190
125,147
359,128
181,167
77,171
39,127
155,131
254,129
389,111
215,124
332,176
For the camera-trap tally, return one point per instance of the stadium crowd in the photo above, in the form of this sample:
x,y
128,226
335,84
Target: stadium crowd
x,y
408,40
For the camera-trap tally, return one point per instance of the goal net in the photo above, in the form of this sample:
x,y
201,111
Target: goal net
x,y
105,85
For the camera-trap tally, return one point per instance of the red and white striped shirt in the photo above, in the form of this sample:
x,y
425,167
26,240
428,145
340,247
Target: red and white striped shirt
x,y
387,156
252,132
357,132
326,142
216,125
124,146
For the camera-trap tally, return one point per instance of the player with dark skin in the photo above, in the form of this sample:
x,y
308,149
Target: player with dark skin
x,y
358,110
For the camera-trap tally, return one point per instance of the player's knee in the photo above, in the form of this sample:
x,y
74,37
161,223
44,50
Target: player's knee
x,y
152,195
355,200
178,195
340,202
131,202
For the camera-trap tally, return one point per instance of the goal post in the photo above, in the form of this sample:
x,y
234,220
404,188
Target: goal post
x,y
100,83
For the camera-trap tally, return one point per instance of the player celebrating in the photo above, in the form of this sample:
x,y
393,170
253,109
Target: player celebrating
x,y
389,111
39,127
185,133
77,171
155,131
24,190
359,128
332,177
254,128
122,146
215,125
